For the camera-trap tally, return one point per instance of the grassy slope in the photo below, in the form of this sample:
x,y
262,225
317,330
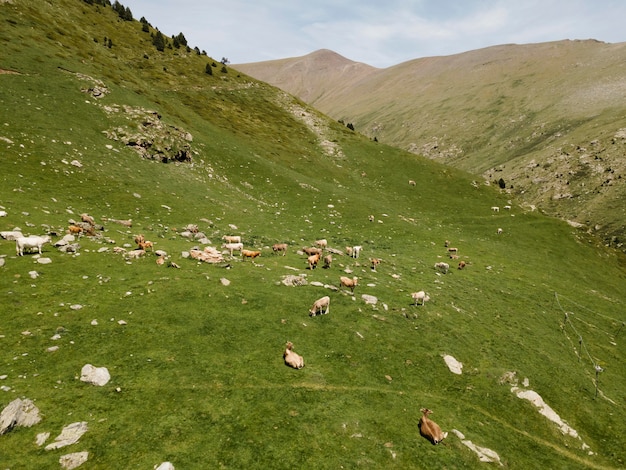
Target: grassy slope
x,y
199,364
546,118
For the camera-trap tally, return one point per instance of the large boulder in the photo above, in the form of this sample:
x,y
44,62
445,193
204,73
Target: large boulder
x,y
76,459
18,413
69,435
95,375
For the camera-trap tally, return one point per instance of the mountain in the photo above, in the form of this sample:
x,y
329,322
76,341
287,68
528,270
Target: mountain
x,y
542,120
113,135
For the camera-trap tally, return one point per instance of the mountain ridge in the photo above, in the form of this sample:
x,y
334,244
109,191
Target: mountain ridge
x,y
505,112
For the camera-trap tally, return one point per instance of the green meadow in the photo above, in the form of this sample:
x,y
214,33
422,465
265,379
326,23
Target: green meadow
x,y
194,349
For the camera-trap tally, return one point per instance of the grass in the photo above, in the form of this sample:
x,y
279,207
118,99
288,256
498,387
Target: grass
x,y
198,364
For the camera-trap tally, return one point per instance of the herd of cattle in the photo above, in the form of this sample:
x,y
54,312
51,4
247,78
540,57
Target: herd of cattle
x,y
232,243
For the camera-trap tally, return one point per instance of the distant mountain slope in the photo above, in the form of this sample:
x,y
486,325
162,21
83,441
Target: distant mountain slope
x,y
544,120
308,77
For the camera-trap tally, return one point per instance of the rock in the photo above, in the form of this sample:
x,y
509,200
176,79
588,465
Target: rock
x,y
95,375
164,466
41,438
292,280
224,281
455,366
69,435
484,454
33,274
369,299
2,261
44,260
74,460
18,413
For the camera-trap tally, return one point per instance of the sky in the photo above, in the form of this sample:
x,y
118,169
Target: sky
x,y
380,33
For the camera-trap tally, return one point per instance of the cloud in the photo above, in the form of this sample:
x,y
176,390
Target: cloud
x,y
374,32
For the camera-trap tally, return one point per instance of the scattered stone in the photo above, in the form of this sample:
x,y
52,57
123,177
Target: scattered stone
x,y
509,377
33,274
544,409
74,460
455,366
76,307
164,466
69,435
484,454
369,299
41,438
292,280
52,349
94,322
44,260
95,375
18,413
224,281
209,255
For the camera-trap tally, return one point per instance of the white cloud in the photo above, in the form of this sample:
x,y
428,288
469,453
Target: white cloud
x,y
377,33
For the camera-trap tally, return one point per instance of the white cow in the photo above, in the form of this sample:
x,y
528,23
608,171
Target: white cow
x,y
30,242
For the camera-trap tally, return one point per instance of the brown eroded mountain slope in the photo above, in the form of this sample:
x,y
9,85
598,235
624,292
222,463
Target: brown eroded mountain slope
x,y
547,121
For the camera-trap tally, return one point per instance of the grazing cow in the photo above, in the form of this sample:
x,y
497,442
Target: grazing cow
x,y
328,259
321,243
462,264
419,298
375,262
292,359
30,242
311,250
87,219
144,245
277,247
442,267
321,305
495,208
429,429
233,247
250,254
499,231
354,251
313,260
350,283
231,238
75,229
453,251
371,218
412,183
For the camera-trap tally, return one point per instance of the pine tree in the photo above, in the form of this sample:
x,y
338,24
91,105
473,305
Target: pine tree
x,y
159,41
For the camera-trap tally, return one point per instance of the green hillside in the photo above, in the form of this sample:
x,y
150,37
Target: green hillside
x,y
95,120
545,121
